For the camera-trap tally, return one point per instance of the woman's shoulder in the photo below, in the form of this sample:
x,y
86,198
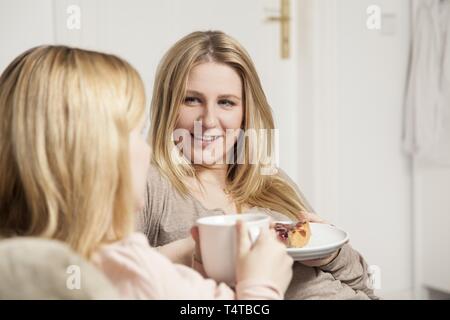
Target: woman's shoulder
x,y
281,174
155,176
128,254
124,247
133,266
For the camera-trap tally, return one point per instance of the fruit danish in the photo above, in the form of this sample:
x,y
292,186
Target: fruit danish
x,y
293,235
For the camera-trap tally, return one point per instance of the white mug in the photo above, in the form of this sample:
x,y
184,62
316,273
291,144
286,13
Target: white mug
x,y
218,242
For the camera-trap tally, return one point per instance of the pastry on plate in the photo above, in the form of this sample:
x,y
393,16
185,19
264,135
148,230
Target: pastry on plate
x,y
295,234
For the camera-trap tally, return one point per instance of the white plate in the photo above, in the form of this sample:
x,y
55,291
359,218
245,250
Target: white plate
x,y
325,239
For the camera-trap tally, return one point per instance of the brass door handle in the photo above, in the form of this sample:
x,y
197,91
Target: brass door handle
x,y
278,19
285,24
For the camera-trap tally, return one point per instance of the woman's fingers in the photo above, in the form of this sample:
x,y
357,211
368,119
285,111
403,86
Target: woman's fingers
x,y
265,235
243,240
196,236
309,216
312,217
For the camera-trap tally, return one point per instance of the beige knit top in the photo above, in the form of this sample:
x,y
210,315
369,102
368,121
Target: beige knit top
x,y
168,216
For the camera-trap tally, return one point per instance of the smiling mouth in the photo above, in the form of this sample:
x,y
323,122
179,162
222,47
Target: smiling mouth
x,y
206,138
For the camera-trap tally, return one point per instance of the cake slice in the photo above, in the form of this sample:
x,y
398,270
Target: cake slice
x,y
293,235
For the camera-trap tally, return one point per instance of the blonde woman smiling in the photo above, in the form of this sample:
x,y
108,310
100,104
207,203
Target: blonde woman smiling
x,y
206,93
73,166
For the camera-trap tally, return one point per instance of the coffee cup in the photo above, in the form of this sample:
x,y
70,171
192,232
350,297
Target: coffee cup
x,y
218,242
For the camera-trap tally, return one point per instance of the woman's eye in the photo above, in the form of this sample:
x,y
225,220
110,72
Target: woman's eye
x,y
226,103
190,101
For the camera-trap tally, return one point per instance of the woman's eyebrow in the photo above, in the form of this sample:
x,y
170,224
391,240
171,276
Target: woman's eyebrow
x,y
194,93
222,96
227,96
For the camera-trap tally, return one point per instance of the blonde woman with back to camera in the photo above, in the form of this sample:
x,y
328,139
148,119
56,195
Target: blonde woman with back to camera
x,y
73,166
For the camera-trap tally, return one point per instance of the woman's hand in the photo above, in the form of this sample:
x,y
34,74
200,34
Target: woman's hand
x,y
197,255
265,260
312,217
179,251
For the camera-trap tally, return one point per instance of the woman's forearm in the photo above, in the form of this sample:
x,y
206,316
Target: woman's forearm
x,y
179,251
351,269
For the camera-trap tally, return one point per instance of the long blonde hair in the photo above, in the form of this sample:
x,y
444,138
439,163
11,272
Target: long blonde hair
x,y
245,182
66,115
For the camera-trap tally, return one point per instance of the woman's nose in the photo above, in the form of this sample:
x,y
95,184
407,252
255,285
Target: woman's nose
x,y
209,116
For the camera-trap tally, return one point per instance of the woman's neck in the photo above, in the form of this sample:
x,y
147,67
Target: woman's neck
x,y
216,175
214,178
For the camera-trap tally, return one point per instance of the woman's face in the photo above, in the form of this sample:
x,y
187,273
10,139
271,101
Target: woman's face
x,y
211,114
139,163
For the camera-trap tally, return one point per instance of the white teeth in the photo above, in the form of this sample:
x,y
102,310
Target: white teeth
x,y
206,138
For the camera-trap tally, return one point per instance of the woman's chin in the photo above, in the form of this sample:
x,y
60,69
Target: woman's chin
x,y
208,161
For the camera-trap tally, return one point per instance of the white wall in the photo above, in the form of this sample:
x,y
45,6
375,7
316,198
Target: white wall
x,y
374,175
354,84
24,24
432,222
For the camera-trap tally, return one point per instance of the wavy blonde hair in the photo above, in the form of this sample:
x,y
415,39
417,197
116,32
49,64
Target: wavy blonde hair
x,y
245,182
66,115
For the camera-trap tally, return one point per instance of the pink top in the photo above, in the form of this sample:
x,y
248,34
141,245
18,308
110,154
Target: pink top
x,y
141,272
